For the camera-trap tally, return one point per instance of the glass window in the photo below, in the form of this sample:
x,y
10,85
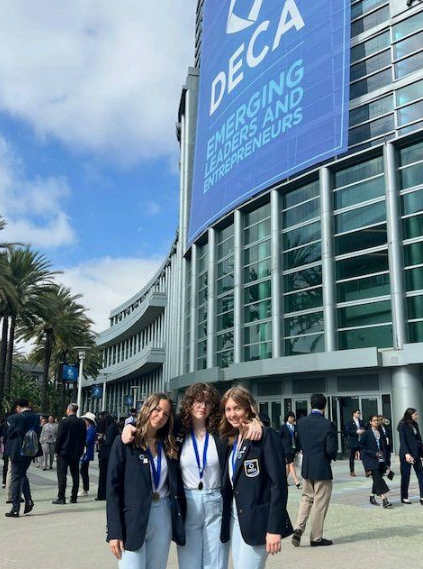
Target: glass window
x,y
258,311
411,154
371,129
415,307
410,93
409,45
300,195
414,279
372,83
364,239
257,232
357,193
360,217
304,300
410,113
311,344
409,65
258,352
360,8
370,65
376,262
225,359
225,267
411,128
413,254
303,279
256,292
371,110
369,287
257,215
257,252
415,331
257,271
226,248
364,314
226,233
370,46
412,202
359,172
407,27
304,324
302,235
412,227
369,21
304,212
225,284
379,336
411,176
225,304
225,341
258,333
302,256
225,321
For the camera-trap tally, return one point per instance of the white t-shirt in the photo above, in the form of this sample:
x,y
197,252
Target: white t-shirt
x,y
190,474
163,487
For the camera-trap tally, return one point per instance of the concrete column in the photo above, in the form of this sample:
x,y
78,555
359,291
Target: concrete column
x,y
406,392
275,272
238,288
396,266
329,301
211,300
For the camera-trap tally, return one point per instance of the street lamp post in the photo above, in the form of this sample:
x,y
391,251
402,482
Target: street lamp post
x,y
104,400
81,356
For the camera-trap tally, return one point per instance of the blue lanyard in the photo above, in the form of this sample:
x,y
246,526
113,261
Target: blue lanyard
x,y
156,471
197,455
234,458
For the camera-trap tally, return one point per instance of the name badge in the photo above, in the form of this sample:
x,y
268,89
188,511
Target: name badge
x,y
252,468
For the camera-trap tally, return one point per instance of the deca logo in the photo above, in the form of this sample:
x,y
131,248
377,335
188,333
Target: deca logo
x,y
236,23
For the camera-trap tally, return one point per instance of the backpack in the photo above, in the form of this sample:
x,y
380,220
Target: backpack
x,y
30,443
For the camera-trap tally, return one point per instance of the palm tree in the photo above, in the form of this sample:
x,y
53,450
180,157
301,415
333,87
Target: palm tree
x,y
31,277
61,324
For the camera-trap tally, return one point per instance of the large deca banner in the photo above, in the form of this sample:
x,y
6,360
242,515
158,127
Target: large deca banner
x,y
273,98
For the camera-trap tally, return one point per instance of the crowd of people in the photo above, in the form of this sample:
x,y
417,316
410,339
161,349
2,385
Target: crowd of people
x,y
212,475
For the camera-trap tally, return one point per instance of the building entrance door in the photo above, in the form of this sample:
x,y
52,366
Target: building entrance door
x,y
273,409
342,408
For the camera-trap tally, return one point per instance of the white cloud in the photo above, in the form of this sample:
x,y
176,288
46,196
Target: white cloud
x,y
151,208
100,76
33,208
107,282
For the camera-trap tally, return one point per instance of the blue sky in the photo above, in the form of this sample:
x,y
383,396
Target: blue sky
x,y
89,94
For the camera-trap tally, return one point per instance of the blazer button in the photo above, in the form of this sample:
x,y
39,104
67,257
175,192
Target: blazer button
x,y
240,510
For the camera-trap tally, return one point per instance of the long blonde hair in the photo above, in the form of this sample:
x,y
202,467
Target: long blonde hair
x,y
244,399
165,434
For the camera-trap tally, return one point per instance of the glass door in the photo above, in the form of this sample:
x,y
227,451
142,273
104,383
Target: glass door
x,y
273,410
342,408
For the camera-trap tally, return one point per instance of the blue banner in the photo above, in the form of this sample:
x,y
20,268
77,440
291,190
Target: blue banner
x,y
273,97
70,373
97,392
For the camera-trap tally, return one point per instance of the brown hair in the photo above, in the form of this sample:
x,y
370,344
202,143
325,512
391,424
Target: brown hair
x,y
242,397
165,434
200,392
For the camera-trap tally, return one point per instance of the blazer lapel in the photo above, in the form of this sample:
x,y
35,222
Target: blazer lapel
x,y
241,456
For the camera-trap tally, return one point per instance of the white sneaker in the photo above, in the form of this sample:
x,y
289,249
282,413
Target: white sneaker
x,y
82,493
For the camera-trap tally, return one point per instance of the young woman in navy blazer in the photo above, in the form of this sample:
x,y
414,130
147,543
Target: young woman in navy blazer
x,y
254,487
143,488
410,452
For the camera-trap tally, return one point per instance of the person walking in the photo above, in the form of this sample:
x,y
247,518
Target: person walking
x,y
48,442
288,434
88,455
354,429
143,491
374,456
20,423
111,431
317,440
410,452
254,492
70,442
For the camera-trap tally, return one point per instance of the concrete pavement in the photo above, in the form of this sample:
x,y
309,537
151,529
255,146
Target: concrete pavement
x,y
72,536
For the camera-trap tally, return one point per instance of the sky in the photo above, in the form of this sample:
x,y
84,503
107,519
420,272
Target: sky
x,y
89,96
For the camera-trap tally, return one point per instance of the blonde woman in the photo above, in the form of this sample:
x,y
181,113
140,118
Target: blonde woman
x,y
143,506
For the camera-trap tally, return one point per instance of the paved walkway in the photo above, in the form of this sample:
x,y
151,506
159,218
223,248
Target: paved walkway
x,y
72,536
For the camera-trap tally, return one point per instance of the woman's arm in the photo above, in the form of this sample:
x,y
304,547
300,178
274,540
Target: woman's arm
x,y
114,495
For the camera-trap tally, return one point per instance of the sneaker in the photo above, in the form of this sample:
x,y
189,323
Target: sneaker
x,y
296,538
323,541
82,493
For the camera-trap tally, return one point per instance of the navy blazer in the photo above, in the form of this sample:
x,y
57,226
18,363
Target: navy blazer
x,y
260,491
351,432
71,435
369,448
317,440
18,425
286,436
130,494
410,443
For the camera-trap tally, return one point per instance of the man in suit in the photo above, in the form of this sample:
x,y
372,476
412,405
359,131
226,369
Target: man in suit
x,y
317,440
70,444
354,429
18,424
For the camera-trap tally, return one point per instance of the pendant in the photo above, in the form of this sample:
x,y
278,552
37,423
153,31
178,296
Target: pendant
x,y
200,486
156,496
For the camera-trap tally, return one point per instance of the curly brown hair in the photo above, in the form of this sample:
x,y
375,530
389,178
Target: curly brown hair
x,y
242,397
201,392
164,434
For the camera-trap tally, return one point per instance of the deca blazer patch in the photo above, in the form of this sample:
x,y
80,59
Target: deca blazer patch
x,y
251,468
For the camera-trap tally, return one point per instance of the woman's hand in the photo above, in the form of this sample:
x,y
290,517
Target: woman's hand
x,y
116,545
409,458
273,543
253,430
128,434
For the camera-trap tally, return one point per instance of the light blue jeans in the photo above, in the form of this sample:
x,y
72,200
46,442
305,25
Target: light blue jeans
x,y
155,549
245,556
203,549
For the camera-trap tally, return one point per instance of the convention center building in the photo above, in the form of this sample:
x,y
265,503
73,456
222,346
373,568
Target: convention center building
x,y
297,265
